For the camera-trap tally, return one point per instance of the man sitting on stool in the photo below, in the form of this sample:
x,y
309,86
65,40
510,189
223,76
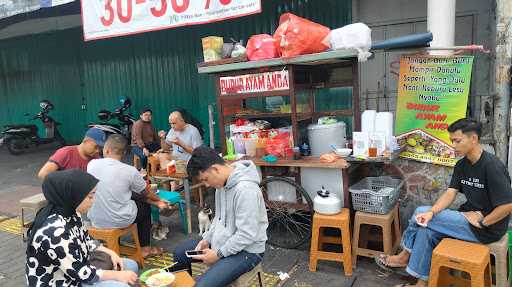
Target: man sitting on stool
x,y
236,240
485,182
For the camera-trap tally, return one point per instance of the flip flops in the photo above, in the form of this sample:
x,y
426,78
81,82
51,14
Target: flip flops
x,y
382,260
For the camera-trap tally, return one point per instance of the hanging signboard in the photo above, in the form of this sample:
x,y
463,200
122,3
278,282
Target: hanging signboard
x,y
111,18
432,94
253,83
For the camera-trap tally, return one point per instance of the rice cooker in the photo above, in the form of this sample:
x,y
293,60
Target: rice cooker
x,y
326,203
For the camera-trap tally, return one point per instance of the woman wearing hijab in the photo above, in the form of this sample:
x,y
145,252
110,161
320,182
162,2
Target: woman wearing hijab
x,y
59,246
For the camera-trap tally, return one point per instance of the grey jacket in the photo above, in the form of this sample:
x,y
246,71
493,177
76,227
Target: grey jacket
x,y
240,221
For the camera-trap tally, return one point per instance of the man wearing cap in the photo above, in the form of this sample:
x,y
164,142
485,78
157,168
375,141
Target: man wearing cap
x,y
75,156
144,137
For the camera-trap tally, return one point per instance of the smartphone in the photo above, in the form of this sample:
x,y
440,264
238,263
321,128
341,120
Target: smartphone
x,y
191,253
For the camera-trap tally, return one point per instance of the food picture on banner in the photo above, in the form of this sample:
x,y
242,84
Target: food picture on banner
x,y
433,93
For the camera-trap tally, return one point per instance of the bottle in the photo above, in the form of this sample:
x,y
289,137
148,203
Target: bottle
x,y
305,149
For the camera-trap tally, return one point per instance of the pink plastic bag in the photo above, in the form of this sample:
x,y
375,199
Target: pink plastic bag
x,y
261,47
279,145
298,36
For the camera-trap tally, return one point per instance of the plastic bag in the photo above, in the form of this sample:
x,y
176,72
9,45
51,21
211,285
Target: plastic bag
x,y
212,48
298,36
354,36
261,47
279,145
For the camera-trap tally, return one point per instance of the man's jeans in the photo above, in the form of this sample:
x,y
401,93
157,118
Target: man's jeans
x,y
128,265
420,241
224,271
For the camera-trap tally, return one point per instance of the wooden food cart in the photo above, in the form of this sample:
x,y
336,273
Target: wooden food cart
x,y
298,81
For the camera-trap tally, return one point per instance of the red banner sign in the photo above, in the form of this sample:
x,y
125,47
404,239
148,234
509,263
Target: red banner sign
x,y
253,83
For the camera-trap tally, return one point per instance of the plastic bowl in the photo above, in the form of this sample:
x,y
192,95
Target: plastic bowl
x,y
343,151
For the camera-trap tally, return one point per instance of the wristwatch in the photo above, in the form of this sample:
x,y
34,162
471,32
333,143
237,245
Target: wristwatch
x,y
219,254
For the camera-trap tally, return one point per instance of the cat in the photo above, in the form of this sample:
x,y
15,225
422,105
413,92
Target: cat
x,y
160,232
204,218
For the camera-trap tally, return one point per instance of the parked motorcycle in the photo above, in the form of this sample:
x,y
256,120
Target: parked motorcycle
x,y
18,138
125,121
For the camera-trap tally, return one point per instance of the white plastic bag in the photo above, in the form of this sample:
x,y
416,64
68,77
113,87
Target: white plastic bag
x,y
354,36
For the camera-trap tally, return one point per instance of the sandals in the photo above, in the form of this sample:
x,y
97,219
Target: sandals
x,y
382,262
153,251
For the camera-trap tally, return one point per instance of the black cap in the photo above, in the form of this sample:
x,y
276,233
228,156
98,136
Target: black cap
x,y
145,109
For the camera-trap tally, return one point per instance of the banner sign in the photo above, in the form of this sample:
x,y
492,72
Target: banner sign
x,y
253,83
12,7
432,94
112,18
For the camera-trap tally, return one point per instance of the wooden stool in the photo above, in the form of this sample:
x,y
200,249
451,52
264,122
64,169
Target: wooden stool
x,y
245,279
111,238
136,162
472,258
339,221
499,250
387,222
35,203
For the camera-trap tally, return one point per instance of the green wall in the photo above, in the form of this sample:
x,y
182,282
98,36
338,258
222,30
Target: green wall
x,y
156,69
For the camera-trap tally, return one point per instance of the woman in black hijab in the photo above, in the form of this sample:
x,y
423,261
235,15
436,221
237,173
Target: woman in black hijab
x,y
59,246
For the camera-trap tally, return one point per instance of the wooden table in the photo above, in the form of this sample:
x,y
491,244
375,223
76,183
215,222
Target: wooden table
x,y
162,175
183,279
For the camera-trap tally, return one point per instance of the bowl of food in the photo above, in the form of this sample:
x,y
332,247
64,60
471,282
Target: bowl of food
x,y
343,151
163,279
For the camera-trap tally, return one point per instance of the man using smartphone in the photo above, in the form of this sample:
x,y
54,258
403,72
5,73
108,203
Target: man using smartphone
x,y
484,217
235,243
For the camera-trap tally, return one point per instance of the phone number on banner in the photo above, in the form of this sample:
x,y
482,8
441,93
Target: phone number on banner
x,y
112,18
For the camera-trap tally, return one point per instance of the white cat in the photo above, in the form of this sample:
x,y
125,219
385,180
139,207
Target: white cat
x,y
204,219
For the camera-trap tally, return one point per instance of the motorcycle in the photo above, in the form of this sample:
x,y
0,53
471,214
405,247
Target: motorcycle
x,y
19,138
125,121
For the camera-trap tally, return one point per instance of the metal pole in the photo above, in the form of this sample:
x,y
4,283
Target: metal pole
x,y
502,81
211,123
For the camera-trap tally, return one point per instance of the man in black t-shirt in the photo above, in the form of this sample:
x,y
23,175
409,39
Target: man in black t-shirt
x,y
484,217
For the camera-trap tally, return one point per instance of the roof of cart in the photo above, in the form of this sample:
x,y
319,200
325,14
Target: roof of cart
x,y
329,57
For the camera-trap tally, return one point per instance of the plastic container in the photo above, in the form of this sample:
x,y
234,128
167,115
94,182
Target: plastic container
x,y
239,145
375,194
321,137
250,147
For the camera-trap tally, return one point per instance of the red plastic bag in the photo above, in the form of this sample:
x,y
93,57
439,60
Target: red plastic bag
x,y
261,47
279,145
298,36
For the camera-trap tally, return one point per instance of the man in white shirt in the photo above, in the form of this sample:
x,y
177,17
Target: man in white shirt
x,y
183,137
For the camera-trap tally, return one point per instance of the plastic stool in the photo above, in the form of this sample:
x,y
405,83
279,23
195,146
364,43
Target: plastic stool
x,y
472,258
339,221
112,236
173,198
35,203
499,250
245,279
387,222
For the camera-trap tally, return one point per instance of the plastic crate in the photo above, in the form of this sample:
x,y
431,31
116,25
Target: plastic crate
x,y
375,194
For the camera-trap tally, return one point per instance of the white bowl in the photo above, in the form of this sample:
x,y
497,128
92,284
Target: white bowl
x,y
163,279
343,151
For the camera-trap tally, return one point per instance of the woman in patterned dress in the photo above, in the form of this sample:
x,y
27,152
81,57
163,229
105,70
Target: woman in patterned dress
x,y
59,246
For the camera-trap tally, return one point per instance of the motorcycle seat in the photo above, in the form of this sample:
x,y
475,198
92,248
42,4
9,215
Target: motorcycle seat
x,y
21,126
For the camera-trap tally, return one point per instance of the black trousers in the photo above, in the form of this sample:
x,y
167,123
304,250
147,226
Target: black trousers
x,y
143,221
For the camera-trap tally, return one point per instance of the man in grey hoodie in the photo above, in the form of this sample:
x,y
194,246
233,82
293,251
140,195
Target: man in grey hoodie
x,y
236,240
